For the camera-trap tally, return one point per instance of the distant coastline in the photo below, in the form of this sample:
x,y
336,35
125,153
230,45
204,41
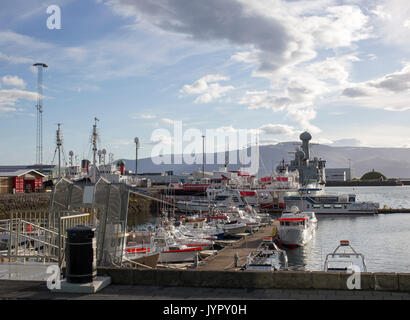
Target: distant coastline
x,y
358,183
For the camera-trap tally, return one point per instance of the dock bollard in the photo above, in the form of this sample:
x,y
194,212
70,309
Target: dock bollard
x,y
235,259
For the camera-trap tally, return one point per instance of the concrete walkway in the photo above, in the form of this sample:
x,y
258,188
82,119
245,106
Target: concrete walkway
x,y
12,289
224,260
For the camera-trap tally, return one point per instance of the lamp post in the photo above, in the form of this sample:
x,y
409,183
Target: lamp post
x,y
203,156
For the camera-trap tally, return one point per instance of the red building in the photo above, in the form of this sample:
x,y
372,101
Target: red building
x,y
19,181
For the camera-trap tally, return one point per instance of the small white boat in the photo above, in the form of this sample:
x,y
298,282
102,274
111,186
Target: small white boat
x,y
268,257
344,258
233,228
296,227
252,223
171,251
190,242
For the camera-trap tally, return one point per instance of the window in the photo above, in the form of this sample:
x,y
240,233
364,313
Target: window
x,y
337,206
327,206
317,206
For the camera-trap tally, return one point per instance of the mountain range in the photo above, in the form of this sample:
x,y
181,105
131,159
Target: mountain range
x,y
392,162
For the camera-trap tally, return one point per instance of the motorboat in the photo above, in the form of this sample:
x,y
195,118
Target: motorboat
x,y
231,227
297,227
171,251
252,223
268,257
344,259
190,242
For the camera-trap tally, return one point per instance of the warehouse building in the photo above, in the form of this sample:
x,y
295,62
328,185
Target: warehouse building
x,y
339,174
20,180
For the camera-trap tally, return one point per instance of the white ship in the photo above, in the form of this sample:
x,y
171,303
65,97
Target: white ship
x,y
297,227
319,202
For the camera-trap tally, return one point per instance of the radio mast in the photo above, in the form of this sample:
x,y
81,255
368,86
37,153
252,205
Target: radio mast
x,y
39,107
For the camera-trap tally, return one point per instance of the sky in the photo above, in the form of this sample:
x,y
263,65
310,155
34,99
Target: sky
x,y
337,68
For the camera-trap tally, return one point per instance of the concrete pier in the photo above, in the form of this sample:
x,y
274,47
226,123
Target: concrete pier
x,y
224,260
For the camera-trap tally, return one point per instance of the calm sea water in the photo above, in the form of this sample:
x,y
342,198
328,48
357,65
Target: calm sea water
x,y
383,239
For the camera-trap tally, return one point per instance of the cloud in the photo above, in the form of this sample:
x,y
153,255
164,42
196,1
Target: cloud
x,y
356,92
238,23
390,18
13,81
303,117
15,59
276,129
390,92
349,142
9,97
207,88
168,121
147,116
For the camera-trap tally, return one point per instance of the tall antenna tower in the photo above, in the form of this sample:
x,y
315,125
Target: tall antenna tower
x,y
39,107
59,149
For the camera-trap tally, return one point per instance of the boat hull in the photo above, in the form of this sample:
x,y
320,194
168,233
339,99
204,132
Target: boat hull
x,y
295,237
183,255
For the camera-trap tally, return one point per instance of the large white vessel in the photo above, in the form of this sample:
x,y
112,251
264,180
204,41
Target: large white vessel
x,y
319,202
297,227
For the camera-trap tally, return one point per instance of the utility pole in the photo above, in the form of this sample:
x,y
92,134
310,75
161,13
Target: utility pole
x,y
137,145
39,107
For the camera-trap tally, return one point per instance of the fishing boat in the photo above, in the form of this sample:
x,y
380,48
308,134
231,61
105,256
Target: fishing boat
x,y
268,257
171,251
344,258
140,257
297,227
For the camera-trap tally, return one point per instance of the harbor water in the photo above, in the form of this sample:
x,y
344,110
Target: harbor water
x,y
384,239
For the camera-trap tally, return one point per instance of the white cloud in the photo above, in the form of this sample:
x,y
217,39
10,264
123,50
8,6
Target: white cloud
x,y
9,97
147,116
390,18
15,59
168,121
390,92
276,129
207,88
13,81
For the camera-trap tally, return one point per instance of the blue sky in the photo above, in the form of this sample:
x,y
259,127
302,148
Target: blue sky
x,y
339,69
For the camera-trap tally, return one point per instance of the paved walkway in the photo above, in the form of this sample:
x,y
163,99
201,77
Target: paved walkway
x,y
12,289
224,260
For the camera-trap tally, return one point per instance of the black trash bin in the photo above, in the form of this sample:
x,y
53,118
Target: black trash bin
x,y
81,265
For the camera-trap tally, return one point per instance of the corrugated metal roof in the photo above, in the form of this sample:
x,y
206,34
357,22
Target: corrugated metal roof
x,y
18,173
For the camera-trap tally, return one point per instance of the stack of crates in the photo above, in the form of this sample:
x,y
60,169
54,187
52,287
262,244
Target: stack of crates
x,y
18,184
